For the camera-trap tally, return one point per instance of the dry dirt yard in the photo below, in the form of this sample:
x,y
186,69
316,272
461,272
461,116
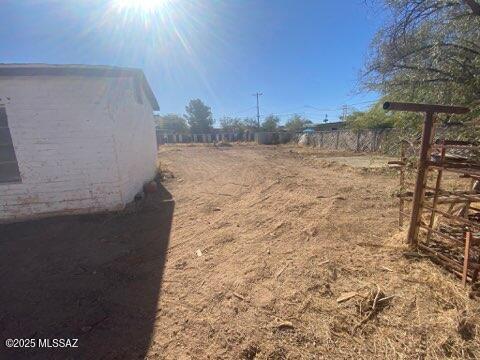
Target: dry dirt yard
x,y
283,233
243,254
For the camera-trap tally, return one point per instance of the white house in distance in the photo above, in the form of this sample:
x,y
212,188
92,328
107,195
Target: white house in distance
x,y
73,139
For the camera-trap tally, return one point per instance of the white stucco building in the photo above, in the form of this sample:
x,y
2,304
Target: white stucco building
x,y
73,139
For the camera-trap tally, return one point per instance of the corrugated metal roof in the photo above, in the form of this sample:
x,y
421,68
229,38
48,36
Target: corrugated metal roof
x,y
80,70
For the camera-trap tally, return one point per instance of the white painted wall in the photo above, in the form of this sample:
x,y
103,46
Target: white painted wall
x,y
82,143
135,139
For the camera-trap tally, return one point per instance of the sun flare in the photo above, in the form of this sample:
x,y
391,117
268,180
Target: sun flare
x,y
142,6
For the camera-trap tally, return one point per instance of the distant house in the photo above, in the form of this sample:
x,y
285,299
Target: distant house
x,y
329,126
73,139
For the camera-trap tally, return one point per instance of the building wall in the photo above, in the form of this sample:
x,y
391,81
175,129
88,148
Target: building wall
x,y
67,147
135,140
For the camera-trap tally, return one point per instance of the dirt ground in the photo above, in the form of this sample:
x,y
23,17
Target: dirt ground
x,y
243,254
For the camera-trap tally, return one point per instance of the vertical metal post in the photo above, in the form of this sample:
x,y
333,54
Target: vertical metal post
x,y
466,257
421,179
435,196
403,160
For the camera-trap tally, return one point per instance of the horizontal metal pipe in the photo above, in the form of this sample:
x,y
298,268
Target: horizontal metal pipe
x,y
471,172
442,235
453,217
444,260
428,108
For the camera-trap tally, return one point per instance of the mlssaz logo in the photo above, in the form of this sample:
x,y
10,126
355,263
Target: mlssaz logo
x,y
58,343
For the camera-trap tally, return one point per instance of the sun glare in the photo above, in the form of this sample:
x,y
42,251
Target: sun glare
x,y
143,6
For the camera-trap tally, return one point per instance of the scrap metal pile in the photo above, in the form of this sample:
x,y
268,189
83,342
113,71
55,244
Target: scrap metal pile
x,y
445,201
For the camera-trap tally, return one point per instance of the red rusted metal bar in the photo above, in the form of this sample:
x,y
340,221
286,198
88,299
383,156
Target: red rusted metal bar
x,y
440,234
454,266
421,179
403,161
435,197
448,241
466,167
426,108
423,163
458,219
466,258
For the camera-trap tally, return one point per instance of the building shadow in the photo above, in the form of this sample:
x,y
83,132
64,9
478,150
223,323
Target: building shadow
x,y
95,278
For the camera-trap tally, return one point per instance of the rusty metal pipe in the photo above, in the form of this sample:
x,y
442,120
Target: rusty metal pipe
x,y
421,181
428,108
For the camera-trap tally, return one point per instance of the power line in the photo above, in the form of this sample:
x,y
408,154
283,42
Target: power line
x,y
343,110
342,107
244,110
329,109
322,110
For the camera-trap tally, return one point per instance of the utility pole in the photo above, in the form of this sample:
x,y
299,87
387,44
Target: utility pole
x,y
345,112
258,108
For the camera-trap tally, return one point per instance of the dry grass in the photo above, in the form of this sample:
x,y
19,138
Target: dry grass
x,y
285,232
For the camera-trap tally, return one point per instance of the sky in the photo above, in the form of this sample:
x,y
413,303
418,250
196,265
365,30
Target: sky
x,y
304,56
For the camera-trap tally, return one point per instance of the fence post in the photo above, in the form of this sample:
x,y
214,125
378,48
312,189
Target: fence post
x,y
358,141
338,135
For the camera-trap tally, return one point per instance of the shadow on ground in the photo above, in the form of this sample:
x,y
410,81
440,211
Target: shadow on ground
x,y
95,277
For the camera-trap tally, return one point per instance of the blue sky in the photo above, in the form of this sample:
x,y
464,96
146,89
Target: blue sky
x,y
304,56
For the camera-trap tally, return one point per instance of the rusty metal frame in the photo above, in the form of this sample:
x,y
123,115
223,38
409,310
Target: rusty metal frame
x,y
459,231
